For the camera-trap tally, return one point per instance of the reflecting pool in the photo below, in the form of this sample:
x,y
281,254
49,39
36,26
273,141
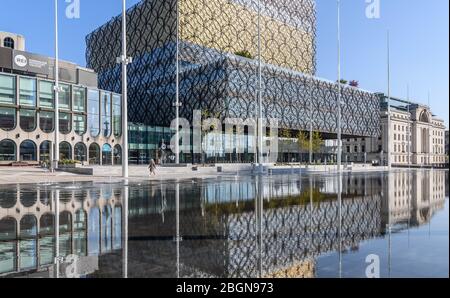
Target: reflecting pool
x,y
375,224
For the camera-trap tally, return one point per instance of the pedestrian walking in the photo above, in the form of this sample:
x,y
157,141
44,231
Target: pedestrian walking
x,y
152,167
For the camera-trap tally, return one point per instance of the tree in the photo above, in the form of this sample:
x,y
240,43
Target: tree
x,y
305,144
285,133
303,141
245,54
343,82
317,142
354,84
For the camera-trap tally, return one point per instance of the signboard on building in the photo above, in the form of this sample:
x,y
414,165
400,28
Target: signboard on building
x,y
31,63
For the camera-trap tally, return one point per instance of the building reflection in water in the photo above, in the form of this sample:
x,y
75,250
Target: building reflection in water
x,y
245,227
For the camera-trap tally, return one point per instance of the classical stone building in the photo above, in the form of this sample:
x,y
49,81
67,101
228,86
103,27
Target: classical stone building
x,y
417,137
89,118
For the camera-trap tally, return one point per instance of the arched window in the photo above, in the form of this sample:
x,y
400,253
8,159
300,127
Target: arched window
x,y
117,155
47,121
8,42
47,239
80,152
7,150
424,117
8,198
8,236
106,155
28,242
7,118
44,151
28,197
106,229
27,120
28,151
106,114
117,114
65,151
94,112
94,154
65,123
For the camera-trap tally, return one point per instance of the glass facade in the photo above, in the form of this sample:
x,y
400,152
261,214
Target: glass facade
x,y
7,118
7,89
46,95
94,112
27,92
47,121
64,97
28,120
27,107
106,114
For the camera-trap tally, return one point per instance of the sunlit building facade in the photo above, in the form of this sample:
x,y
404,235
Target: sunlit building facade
x,y
218,69
89,119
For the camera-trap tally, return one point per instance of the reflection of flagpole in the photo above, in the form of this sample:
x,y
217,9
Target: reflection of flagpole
x,y
340,222
125,233
178,236
177,87
56,202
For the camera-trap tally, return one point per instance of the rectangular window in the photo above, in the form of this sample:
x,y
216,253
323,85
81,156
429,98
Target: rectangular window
x,y
117,115
94,112
79,99
46,94
27,92
64,97
106,114
79,124
7,89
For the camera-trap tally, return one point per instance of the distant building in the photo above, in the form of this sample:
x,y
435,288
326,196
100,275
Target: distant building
x,y
417,137
12,40
89,119
446,144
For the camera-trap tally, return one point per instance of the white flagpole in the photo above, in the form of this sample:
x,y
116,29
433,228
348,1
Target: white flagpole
x,y
339,153
124,60
260,120
389,159
56,89
177,92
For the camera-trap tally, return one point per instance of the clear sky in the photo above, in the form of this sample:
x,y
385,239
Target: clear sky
x,y
418,28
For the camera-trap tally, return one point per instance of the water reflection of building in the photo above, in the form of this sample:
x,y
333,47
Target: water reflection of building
x,y
89,225
218,223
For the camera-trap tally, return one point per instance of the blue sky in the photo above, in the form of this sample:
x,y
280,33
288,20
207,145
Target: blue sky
x,y
418,28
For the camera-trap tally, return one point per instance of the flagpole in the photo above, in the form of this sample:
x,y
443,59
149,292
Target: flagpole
x,y
260,122
124,60
389,160
177,87
339,153
56,89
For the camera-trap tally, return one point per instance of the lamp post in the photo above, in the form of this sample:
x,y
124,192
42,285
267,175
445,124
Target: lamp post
x,y
124,60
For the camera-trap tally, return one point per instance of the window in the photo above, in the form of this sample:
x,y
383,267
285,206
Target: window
x,y
46,121
356,149
8,43
65,151
79,99
93,113
64,97
79,124
106,114
117,155
27,92
7,150
28,151
80,152
117,115
348,149
94,154
7,118
106,155
44,151
46,94
363,149
7,89
65,120
27,120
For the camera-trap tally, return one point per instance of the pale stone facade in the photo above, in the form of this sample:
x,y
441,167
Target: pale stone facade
x,y
416,138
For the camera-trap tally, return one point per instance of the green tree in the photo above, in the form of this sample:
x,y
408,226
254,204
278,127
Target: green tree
x,y
245,54
317,142
303,141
